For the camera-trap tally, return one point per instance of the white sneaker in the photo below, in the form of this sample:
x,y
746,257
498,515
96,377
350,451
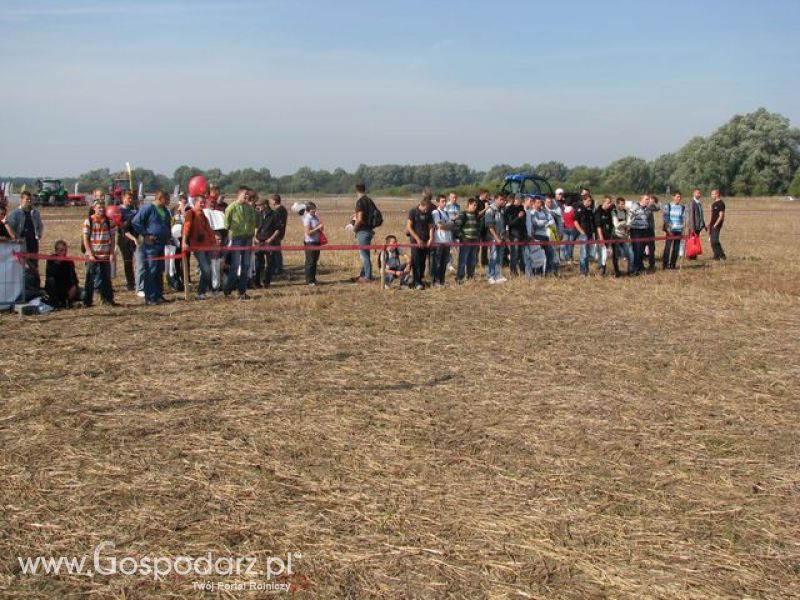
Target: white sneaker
x,y
492,281
140,294
500,279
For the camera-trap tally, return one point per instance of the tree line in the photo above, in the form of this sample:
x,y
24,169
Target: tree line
x,y
757,154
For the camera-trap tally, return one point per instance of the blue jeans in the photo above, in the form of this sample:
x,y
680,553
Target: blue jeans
x,y
237,277
494,269
584,255
98,276
364,238
153,271
517,258
467,259
622,250
138,263
551,265
567,251
204,264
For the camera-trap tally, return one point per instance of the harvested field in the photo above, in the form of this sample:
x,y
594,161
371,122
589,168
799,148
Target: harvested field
x,y
561,438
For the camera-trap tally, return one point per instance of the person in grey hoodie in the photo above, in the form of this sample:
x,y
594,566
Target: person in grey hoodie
x,y
541,220
639,227
555,210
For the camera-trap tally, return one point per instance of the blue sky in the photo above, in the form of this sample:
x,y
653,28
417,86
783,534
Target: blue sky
x,y
284,84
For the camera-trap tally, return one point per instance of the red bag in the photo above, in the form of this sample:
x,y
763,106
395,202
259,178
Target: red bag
x,y
323,239
693,246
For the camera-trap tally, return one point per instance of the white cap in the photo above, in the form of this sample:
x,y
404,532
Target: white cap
x,y
559,191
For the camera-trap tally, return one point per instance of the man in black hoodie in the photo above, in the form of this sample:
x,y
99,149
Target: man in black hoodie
x,y
517,233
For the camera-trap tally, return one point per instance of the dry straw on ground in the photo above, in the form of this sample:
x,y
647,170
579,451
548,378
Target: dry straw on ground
x,y
563,438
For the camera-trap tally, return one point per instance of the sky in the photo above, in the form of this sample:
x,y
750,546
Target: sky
x,y
283,84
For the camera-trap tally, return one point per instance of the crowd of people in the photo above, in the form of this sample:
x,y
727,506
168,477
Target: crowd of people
x,y
528,236
533,236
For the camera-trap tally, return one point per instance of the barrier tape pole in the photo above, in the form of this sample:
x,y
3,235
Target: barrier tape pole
x,y
185,268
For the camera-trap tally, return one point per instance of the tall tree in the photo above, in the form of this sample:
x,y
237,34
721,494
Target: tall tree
x,y
627,174
553,171
756,154
184,173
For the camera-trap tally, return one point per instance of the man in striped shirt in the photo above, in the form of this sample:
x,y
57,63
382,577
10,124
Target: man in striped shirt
x,y
99,236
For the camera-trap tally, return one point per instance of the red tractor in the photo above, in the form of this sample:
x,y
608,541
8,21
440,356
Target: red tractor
x,y
118,187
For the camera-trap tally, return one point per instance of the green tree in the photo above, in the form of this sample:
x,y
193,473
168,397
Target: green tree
x,y
794,187
553,171
260,180
753,154
628,174
183,174
583,176
98,178
661,172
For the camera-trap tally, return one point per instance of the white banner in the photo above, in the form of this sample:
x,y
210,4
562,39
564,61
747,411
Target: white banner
x,y
11,272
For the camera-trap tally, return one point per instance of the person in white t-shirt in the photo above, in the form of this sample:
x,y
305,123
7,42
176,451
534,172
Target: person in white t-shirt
x,y
442,239
312,230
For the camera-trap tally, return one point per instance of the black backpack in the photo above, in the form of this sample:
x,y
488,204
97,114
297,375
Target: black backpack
x,y
375,217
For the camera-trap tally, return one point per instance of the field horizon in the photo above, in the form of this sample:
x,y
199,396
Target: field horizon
x,y
568,438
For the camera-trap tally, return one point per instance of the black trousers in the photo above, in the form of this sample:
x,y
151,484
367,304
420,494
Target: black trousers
x,y
672,248
312,258
419,255
651,247
265,266
440,256
127,249
517,260
719,253
638,249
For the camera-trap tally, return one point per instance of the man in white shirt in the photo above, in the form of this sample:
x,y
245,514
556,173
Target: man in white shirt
x,y
442,239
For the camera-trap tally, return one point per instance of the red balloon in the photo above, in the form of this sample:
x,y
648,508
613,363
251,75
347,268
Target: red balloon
x,y
114,213
197,186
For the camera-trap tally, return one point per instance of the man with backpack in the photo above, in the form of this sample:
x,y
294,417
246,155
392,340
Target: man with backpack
x,y
367,219
443,239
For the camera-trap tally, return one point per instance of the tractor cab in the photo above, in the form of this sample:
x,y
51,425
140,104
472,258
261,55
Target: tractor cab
x,y
526,186
50,191
49,185
119,187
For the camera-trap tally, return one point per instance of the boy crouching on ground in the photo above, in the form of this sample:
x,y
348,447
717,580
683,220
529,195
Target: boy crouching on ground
x,y
398,266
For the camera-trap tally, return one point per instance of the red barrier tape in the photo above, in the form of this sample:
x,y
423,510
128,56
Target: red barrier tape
x,y
342,247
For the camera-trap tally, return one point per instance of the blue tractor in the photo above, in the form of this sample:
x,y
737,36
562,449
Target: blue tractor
x,y
533,186
526,186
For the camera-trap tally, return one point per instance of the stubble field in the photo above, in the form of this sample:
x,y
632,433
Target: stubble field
x,y
569,438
